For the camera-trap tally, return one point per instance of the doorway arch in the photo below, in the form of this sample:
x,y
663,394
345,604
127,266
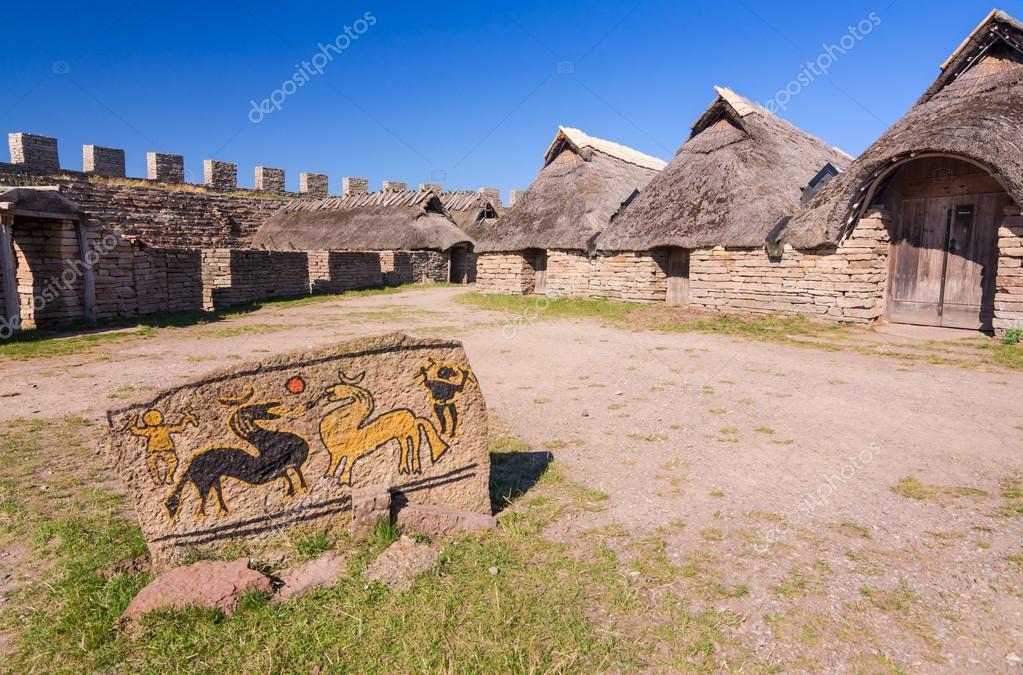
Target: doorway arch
x,y
943,251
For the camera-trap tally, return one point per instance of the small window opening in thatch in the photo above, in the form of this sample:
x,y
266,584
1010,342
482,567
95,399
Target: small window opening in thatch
x,y
823,177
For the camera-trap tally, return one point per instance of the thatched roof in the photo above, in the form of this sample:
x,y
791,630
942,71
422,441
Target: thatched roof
x,y
39,202
974,110
583,183
379,221
740,172
473,211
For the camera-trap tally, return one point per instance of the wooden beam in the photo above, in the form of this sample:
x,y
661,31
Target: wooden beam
x,y
12,303
89,274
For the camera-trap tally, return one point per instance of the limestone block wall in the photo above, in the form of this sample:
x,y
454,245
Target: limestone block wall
x,y
846,283
50,290
235,277
568,274
133,281
1009,280
504,273
413,267
635,276
340,271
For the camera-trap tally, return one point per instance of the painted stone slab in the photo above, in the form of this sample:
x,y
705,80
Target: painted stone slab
x,y
249,452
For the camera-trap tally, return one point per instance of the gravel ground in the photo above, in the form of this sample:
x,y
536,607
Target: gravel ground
x,y
765,471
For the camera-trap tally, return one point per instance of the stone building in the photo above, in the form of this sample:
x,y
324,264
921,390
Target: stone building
x,y
938,196
541,244
418,239
695,234
477,213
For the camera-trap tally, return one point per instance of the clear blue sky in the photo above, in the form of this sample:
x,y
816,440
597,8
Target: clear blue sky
x,y
471,89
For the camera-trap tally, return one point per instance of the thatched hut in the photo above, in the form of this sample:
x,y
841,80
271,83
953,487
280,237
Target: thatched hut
x,y
740,172
416,236
541,243
477,214
937,198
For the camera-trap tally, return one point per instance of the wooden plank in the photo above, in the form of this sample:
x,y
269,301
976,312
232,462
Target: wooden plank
x,y
88,274
918,250
678,276
12,303
972,262
540,273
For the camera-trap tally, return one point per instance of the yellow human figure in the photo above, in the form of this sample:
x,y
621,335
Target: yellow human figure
x,y
159,444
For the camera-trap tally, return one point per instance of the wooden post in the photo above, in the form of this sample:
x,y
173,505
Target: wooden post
x,y
12,303
89,288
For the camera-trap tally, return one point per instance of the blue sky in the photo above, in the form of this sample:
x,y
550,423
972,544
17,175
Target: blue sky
x,y
470,91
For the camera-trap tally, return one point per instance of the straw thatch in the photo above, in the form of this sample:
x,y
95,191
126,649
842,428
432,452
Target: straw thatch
x,y
380,221
39,202
973,110
583,183
739,173
474,212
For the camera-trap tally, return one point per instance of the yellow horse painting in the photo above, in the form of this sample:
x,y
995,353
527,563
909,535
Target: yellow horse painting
x,y
349,434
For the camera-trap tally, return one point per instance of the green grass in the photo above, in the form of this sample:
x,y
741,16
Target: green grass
x,y
537,615
911,488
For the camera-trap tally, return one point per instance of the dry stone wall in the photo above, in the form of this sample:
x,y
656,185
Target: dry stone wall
x,y
504,273
846,283
103,161
340,271
1009,281
51,292
134,281
234,277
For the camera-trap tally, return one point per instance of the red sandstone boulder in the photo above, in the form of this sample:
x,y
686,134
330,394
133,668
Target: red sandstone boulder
x,y
208,584
402,562
323,572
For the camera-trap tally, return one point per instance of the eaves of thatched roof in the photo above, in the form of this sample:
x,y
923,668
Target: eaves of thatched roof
x,y
740,172
973,110
473,211
583,183
379,221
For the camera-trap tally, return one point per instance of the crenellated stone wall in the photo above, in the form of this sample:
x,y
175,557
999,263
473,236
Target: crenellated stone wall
x,y
340,271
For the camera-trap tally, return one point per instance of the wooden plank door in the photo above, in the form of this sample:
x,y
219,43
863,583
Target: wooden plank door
x,y
972,261
678,276
458,266
540,273
917,259
944,257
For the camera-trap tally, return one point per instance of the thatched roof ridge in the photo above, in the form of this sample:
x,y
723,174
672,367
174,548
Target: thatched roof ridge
x,y
740,172
473,211
973,110
583,184
379,221
581,142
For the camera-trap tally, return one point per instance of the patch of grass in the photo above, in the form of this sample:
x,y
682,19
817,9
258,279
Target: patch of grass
x,y
649,438
911,488
717,492
311,544
853,529
767,431
42,344
556,444
1016,560
729,435
897,600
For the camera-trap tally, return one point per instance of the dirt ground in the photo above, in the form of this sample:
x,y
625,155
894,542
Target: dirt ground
x,y
862,511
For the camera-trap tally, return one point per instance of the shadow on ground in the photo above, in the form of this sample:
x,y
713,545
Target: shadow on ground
x,y
512,474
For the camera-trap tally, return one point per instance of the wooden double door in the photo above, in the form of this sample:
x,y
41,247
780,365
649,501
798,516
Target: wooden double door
x,y
944,258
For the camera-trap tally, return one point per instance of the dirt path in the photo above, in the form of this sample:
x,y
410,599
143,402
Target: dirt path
x,y
765,470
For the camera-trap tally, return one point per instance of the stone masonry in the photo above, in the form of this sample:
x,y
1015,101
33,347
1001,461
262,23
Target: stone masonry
x,y
165,168
220,175
1009,282
103,161
504,273
514,196
340,271
493,193
315,184
234,277
354,186
38,153
395,186
269,180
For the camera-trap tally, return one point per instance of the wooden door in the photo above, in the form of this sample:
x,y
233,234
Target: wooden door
x,y
540,273
678,276
943,259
